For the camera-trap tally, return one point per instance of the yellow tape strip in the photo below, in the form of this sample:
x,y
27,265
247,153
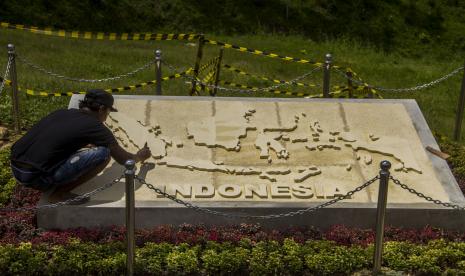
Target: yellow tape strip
x,y
275,91
208,64
207,79
241,72
98,35
365,86
262,53
338,91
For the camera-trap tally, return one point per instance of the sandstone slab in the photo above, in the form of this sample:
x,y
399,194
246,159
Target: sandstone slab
x,y
266,156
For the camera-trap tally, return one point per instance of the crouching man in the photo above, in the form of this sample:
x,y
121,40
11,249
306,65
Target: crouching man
x,y
68,147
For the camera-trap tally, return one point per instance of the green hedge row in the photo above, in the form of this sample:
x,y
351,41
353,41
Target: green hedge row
x,y
262,258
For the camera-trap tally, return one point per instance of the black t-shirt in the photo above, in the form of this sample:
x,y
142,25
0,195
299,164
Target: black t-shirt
x,y
59,135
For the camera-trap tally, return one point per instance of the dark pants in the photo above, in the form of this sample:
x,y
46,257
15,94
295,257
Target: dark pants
x,y
74,167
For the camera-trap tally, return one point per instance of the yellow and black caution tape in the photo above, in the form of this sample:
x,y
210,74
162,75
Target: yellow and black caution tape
x,y
206,80
99,35
338,90
7,82
32,92
361,88
132,87
275,91
373,91
209,78
208,64
239,71
365,87
264,53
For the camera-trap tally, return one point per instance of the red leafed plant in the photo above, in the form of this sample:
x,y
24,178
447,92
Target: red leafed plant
x,y
20,226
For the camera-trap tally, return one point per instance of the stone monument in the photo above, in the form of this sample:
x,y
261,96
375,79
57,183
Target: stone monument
x,y
262,156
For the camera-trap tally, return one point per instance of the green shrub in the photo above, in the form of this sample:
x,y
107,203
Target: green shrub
x,y
111,265
246,243
424,264
78,258
266,258
226,260
446,254
183,260
152,258
461,266
22,259
292,256
434,258
456,152
337,260
316,246
7,182
395,254
212,245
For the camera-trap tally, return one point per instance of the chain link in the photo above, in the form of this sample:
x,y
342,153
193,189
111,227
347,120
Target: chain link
x,y
7,73
264,89
67,202
272,216
48,72
427,198
409,89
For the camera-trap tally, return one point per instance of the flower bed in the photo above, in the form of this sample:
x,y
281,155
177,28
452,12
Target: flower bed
x,y
197,249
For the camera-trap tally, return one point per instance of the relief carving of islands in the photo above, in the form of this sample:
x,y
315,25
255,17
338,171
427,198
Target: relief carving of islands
x,y
213,132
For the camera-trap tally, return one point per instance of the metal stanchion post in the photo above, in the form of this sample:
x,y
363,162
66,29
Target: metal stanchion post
x,y
326,75
217,73
158,72
459,114
197,64
130,219
14,86
380,215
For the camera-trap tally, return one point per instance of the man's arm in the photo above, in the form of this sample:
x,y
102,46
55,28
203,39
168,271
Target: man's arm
x,y
121,155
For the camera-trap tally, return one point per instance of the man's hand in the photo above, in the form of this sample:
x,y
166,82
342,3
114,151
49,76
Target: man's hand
x,y
144,153
121,155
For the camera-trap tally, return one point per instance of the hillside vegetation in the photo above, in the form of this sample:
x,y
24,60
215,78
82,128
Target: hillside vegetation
x,y
409,26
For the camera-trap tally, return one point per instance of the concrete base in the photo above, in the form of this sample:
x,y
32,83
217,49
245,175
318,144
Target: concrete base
x,y
354,215
405,210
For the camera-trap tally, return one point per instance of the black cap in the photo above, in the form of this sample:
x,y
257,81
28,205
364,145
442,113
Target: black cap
x,y
102,97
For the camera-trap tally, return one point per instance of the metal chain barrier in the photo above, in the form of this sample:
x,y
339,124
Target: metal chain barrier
x,y
48,72
33,92
272,216
427,198
409,89
273,87
67,202
261,89
5,77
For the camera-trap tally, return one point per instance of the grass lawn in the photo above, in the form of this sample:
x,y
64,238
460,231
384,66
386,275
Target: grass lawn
x,y
91,59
